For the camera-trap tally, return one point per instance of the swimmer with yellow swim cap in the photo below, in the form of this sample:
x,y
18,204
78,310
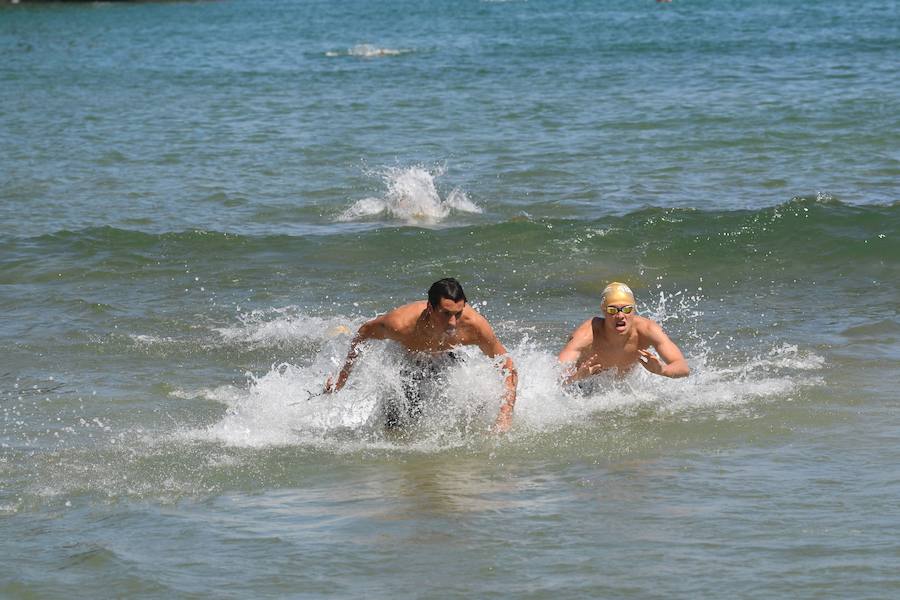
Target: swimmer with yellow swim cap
x,y
619,339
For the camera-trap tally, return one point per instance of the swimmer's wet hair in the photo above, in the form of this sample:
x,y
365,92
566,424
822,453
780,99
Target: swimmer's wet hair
x,y
445,288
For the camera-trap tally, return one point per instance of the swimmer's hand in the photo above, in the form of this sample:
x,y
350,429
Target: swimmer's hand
x,y
651,362
583,372
331,386
594,369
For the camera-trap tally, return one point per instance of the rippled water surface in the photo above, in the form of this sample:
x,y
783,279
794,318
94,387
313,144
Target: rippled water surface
x,y
199,202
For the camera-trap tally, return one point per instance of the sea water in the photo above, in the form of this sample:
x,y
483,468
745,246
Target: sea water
x,y
200,203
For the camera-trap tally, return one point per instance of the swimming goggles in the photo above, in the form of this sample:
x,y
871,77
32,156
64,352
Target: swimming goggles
x,y
627,309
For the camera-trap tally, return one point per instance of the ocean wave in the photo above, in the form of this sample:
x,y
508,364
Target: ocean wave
x,y
805,238
412,194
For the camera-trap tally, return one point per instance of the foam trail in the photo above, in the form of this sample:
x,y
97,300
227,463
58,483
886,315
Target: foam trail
x,y
411,196
285,406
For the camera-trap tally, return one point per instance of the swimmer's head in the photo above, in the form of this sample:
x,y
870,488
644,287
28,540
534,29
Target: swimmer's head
x,y
616,293
445,288
446,303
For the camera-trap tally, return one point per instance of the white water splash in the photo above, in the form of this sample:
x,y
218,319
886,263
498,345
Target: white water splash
x,y
412,196
367,51
285,406
279,325
270,328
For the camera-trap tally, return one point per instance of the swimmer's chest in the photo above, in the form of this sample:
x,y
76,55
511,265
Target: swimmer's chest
x,y
415,342
603,354
434,346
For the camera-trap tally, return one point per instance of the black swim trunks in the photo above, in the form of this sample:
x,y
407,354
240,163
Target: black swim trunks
x,y
420,378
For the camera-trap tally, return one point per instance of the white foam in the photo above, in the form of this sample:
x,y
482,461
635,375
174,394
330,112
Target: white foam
x,y
284,406
150,340
225,394
287,324
412,196
367,51
275,406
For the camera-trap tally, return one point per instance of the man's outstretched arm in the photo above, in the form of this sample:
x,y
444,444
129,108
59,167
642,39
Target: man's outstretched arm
x,y
374,329
492,347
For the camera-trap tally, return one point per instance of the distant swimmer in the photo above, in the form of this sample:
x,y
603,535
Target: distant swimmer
x,y
618,340
430,330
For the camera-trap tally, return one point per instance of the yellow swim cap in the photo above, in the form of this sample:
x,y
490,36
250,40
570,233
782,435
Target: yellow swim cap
x,y
616,293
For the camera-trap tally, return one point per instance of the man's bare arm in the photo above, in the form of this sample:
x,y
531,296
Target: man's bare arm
x,y
370,330
492,347
569,356
673,363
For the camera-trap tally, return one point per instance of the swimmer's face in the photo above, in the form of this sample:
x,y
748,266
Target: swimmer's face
x,y
618,316
446,314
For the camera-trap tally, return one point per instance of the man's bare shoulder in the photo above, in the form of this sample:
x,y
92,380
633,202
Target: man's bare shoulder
x,y
648,329
587,328
645,323
403,318
474,328
471,315
474,321
584,332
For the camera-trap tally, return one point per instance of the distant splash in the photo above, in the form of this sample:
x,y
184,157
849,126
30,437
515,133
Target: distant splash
x,y
412,196
367,51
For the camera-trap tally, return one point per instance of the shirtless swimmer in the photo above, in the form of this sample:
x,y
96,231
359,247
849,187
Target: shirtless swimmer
x,y
619,339
436,326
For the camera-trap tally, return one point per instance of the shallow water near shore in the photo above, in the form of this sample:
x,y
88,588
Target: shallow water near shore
x,y
199,202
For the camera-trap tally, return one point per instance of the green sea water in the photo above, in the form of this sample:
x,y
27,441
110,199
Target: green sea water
x,y
197,200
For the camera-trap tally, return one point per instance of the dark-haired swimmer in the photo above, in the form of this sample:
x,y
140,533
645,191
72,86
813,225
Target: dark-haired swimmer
x,y
618,340
435,327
